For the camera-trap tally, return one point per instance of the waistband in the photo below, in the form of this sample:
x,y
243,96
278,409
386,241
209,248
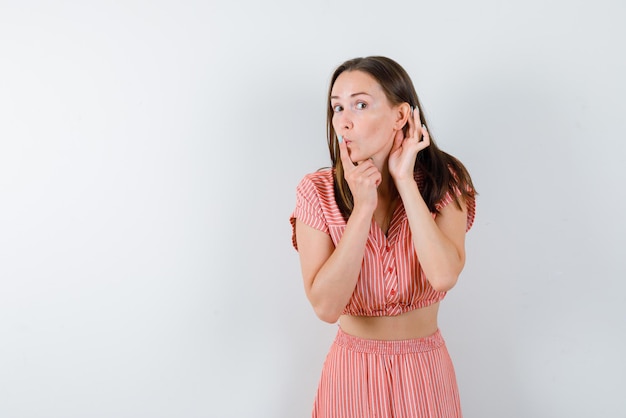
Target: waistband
x,y
363,345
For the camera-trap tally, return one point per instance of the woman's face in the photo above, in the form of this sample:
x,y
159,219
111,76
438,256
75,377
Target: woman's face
x,y
363,116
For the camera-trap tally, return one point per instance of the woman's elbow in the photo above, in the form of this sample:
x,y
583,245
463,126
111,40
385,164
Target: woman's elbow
x,y
330,316
444,283
443,286
444,278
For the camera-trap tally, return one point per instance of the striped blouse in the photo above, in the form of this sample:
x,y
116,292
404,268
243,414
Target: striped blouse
x,y
391,281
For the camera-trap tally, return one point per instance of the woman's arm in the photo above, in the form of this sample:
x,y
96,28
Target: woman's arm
x,y
330,274
440,242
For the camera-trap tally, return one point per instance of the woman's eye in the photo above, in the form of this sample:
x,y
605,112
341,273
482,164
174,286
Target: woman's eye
x,y
361,105
337,108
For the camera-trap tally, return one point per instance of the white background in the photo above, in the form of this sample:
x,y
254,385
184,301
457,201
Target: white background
x,y
149,154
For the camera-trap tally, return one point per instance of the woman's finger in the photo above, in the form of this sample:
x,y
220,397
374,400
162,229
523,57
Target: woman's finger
x,y
371,173
364,169
344,154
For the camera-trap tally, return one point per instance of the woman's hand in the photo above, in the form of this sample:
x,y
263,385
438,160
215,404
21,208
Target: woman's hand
x,y
362,178
405,150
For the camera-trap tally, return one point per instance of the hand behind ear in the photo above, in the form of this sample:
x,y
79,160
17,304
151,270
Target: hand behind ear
x,y
405,149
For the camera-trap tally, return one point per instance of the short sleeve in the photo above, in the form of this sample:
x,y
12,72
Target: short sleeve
x,y
470,201
308,209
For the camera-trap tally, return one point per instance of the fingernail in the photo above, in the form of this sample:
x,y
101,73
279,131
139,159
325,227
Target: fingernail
x,y
340,138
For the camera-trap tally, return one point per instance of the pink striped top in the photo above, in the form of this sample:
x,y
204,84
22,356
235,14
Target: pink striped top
x,y
391,281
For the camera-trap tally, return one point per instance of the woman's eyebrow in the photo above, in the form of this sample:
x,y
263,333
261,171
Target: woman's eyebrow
x,y
352,95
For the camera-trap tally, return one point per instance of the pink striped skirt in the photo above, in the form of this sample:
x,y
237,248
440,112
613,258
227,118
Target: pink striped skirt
x,y
387,379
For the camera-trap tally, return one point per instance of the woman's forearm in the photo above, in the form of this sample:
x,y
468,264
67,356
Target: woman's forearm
x,y
334,283
440,258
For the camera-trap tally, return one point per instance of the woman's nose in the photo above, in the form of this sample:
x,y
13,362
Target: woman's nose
x,y
345,121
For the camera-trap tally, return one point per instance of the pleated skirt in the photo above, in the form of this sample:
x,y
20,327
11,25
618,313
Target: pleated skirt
x,y
364,378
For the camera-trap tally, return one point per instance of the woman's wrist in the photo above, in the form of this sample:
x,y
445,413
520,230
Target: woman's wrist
x,y
364,212
404,183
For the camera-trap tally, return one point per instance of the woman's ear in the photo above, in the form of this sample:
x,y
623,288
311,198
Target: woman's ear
x,y
403,115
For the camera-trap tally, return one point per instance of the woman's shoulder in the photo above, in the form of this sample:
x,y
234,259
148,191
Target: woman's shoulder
x,y
324,175
319,187
321,180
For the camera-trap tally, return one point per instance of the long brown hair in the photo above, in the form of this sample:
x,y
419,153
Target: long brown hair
x,y
437,166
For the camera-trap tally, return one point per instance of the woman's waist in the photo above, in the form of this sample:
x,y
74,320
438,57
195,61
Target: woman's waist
x,y
417,323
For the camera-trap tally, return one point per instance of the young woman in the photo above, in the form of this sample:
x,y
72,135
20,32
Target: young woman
x,y
381,238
